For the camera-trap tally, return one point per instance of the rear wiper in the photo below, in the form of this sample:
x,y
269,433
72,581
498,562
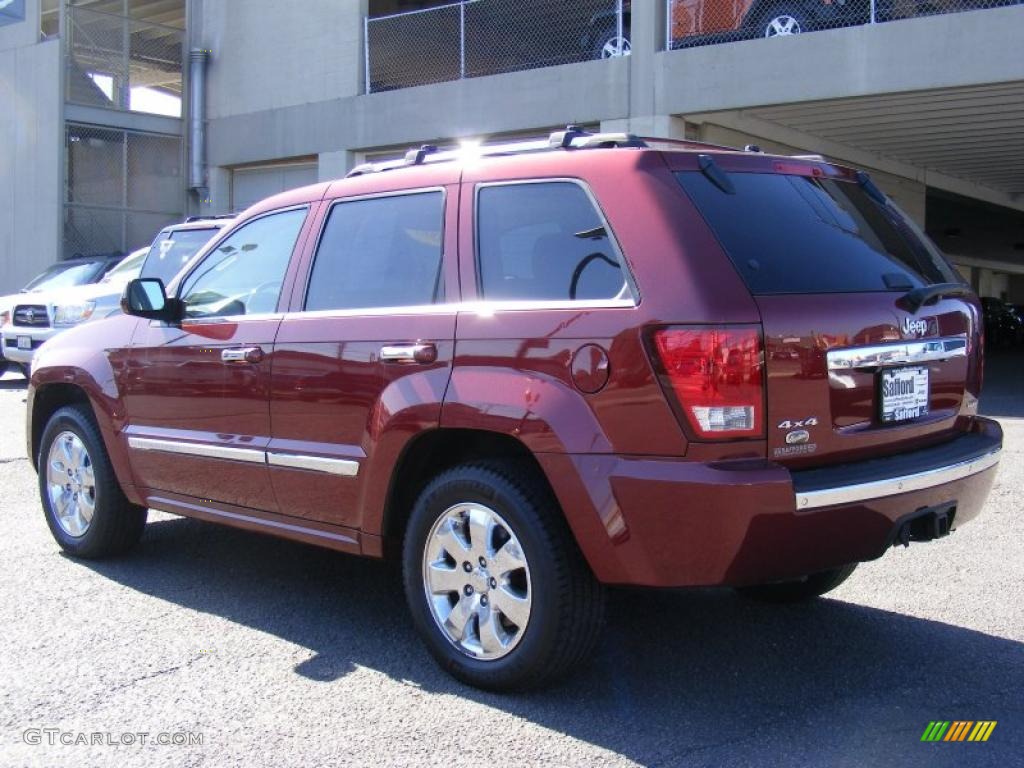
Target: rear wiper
x,y
918,297
714,174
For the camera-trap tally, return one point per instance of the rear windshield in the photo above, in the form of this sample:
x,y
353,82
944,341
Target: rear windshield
x,y
171,250
798,234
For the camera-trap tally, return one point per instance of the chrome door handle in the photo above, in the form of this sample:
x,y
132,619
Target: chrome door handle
x,y
242,355
408,353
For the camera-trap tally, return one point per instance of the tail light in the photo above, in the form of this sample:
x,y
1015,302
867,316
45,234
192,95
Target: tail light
x,y
716,377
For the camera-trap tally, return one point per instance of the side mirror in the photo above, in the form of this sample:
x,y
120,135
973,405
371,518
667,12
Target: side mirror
x,y
146,297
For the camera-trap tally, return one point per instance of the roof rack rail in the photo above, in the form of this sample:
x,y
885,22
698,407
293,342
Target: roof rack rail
x,y
190,219
567,139
573,138
418,156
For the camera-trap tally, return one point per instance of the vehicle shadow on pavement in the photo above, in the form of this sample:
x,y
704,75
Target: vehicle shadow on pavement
x,y
13,384
1001,392
702,674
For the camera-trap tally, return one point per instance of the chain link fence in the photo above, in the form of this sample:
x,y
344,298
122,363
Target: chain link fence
x,y
121,188
118,62
488,37
709,22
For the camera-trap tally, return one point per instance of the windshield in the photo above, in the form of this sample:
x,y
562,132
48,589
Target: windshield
x,y
799,234
127,268
171,250
66,276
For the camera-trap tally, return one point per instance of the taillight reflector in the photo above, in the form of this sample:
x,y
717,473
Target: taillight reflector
x,y
715,375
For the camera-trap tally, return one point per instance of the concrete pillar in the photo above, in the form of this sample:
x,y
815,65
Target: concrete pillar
x,y
646,38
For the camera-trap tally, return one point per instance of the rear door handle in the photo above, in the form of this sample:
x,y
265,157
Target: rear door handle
x,y
242,355
409,353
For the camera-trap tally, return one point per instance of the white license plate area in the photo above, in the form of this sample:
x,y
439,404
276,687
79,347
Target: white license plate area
x,y
904,394
24,342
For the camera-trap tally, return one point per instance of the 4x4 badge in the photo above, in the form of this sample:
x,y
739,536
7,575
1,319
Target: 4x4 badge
x,y
810,421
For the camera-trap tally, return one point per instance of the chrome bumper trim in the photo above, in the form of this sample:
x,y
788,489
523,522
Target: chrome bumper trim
x,y
847,494
897,353
250,455
343,467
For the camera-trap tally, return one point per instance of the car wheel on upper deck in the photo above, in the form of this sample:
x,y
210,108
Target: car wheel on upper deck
x,y
496,585
85,508
798,590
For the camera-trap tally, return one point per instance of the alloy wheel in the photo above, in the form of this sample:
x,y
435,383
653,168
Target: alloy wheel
x,y
615,47
477,581
71,484
783,24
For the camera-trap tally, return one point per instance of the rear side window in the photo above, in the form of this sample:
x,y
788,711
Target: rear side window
x,y
545,241
798,234
379,252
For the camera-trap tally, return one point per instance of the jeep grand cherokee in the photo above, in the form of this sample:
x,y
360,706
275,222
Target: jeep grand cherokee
x,y
532,370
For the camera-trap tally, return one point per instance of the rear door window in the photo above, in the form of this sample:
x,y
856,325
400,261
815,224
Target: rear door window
x,y
379,252
799,234
545,241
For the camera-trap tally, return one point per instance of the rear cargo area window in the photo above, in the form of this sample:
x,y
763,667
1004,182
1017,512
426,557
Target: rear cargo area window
x,y
798,234
379,252
545,241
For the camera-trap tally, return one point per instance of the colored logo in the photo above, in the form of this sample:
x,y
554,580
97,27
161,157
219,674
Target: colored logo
x,y
958,730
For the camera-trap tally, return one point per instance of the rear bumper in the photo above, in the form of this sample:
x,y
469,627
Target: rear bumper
x,y
672,523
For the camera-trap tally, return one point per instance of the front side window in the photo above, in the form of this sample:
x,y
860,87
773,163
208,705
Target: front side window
x,y
379,252
545,241
244,274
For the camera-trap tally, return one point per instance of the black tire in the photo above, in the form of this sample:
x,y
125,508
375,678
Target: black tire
x,y
797,591
765,19
117,524
567,602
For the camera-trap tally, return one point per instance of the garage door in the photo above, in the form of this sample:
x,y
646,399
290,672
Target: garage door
x,y
250,185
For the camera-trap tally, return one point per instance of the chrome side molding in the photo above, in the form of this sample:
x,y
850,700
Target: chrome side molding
x,y
250,455
897,353
877,489
342,467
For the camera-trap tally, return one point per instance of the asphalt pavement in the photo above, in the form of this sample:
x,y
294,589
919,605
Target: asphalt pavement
x,y
272,653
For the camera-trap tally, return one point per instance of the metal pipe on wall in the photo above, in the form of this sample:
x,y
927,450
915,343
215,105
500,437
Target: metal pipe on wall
x,y
198,59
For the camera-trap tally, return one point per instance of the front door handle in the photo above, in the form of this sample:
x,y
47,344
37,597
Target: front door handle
x,y
409,353
242,355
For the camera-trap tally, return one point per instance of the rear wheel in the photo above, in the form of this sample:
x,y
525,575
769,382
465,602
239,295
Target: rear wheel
x,y
85,508
609,44
496,585
782,20
799,590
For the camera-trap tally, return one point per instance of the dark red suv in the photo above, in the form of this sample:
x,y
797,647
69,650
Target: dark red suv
x,y
532,370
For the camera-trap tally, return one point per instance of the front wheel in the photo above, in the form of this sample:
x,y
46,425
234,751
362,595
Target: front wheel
x,y
85,508
496,585
796,591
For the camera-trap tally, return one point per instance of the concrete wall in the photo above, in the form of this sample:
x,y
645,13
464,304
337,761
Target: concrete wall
x,y
269,54
30,141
